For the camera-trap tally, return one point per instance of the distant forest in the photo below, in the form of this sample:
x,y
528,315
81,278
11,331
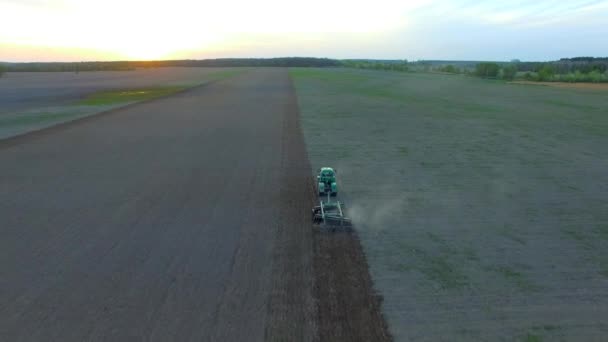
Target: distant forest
x,y
568,65
579,69
132,65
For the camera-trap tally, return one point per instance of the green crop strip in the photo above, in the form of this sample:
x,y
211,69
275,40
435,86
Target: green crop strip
x,y
35,119
118,96
128,95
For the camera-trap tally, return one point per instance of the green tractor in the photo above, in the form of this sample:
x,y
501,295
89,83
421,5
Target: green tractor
x,y
326,179
329,215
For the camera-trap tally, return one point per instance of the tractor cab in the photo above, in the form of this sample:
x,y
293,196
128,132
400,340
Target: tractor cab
x,y
326,179
327,174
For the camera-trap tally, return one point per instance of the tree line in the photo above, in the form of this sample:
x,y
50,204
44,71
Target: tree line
x,y
567,65
580,69
388,65
132,65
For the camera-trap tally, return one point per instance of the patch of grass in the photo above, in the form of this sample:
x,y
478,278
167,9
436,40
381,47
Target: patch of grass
x,y
576,235
592,242
109,97
439,268
603,264
602,231
220,75
474,107
403,150
342,154
516,277
381,91
533,338
509,272
29,119
559,103
469,332
337,75
434,237
378,131
508,232
355,82
444,266
470,254
336,115
580,237
550,327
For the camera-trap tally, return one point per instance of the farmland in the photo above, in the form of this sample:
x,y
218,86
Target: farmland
x,y
183,211
144,222
182,217
482,206
34,100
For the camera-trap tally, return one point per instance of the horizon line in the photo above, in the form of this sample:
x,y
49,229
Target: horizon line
x,y
286,57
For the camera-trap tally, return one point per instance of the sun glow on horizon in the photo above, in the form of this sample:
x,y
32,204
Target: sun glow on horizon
x,y
158,30
38,30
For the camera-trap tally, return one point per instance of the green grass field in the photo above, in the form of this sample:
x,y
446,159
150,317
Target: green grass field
x,y
482,206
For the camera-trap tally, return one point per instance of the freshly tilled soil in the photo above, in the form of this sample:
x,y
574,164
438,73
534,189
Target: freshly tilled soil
x,y
349,309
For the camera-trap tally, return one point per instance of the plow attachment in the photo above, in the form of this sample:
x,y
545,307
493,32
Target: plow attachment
x,y
330,216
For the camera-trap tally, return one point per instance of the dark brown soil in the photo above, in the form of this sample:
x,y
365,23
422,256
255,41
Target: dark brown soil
x,y
349,310
292,307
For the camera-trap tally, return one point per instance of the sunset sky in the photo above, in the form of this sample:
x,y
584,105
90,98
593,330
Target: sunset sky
x,y
71,30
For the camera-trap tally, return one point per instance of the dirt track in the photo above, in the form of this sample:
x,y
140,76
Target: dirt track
x,y
184,218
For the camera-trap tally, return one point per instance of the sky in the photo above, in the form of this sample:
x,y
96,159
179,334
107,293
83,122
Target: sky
x,y
79,30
